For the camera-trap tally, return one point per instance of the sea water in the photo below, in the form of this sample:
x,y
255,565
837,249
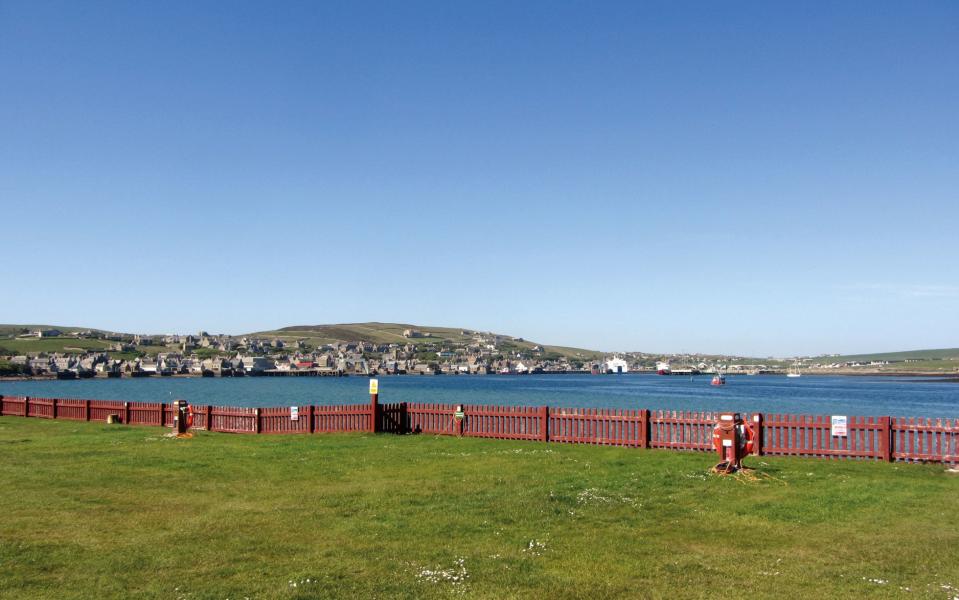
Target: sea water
x,y
867,396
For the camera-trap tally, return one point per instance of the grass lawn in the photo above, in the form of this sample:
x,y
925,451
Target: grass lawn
x,y
91,510
55,344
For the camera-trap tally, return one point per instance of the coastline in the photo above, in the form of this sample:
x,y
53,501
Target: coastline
x,y
926,376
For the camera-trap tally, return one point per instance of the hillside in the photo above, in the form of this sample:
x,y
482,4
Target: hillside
x,y
386,333
920,355
8,330
377,333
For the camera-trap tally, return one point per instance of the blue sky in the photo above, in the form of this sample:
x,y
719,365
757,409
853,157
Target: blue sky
x,y
755,178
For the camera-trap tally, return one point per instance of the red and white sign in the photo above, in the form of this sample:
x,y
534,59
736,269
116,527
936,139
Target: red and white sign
x,y
838,426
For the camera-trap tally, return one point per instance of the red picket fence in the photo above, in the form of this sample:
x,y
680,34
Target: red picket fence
x,y
598,426
682,430
879,438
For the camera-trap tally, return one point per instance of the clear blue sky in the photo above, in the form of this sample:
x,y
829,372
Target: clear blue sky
x,y
755,178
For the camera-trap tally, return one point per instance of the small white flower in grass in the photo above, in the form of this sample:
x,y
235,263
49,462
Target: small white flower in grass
x,y
456,575
535,547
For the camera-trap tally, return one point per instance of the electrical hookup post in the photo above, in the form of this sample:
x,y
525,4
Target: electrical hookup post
x,y
374,404
182,419
458,417
733,440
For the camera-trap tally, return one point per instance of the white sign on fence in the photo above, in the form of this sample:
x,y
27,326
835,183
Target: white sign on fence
x,y
294,413
839,425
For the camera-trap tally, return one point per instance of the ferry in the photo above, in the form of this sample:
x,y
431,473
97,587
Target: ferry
x,y
662,368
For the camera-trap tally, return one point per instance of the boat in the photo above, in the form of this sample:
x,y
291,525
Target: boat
x,y
793,372
718,379
662,368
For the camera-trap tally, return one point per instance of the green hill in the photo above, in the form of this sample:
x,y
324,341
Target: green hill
x,y
386,333
376,333
8,330
922,355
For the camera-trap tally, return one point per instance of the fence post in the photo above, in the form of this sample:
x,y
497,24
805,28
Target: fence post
x,y
644,423
26,406
758,434
544,424
374,408
126,413
404,419
885,438
86,409
53,408
162,414
209,417
310,412
257,427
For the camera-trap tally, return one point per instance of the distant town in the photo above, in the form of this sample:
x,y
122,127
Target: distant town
x,y
49,352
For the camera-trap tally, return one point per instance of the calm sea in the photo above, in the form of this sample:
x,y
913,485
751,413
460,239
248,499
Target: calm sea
x,y
893,396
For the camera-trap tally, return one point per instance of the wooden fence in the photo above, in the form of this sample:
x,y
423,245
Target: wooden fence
x,y
877,438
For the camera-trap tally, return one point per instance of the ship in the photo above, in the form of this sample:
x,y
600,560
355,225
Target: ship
x,y
718,379
662,368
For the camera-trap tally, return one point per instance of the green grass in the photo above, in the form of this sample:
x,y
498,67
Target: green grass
x,y
91,510
387,333
377,333
54,344
925,366
923,355
7,329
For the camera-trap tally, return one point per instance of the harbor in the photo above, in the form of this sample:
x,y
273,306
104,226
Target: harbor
x,y
815,394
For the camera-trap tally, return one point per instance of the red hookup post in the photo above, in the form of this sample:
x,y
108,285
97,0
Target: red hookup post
x,y
458,417
374,404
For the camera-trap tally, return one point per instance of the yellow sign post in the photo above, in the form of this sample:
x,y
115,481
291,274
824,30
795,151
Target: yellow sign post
x,y
374,386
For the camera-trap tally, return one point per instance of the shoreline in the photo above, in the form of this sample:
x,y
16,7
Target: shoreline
x,y
926,376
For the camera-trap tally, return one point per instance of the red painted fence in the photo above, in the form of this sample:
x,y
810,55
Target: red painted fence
x,y
880,438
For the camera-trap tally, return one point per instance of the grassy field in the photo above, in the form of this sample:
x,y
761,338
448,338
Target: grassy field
x,y
377,333
7,329
54,344
387,333
925,366
922,355
91,510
